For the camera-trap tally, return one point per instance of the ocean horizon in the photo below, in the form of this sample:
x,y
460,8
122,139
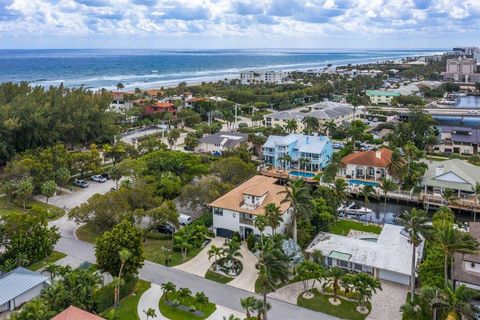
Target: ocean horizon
x,y
154,68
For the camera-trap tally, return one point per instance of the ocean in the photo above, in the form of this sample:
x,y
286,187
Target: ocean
x,y
156,68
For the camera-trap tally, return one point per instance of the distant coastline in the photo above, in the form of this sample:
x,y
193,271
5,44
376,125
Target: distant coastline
x,y
146,69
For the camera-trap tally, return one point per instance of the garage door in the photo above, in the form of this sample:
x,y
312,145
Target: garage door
x,y
225,233
394,277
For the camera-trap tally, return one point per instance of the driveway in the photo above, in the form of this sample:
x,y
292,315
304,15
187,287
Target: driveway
x,y
246,279
150,299
200,264
386,303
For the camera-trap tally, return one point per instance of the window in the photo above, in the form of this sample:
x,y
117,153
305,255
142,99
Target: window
x,y
218,211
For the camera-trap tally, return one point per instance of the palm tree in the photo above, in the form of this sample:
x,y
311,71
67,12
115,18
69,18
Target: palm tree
x,y
172,137
329,128
387,186
365,285
184,293
184,241
150,313
273,215
201,298
124,256
415,223
248,304
53,270
167,288
451,241
291,125
231,249
215,252
297,194
448,195
311,124
367,192
340,190
333,276
285,159
455,301
119,86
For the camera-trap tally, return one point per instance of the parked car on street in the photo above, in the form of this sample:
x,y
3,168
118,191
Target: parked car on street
x,y
80,183
166,229
98,178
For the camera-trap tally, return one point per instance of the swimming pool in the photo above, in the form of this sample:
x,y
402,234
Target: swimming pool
x,y
365,183
369,239
302,174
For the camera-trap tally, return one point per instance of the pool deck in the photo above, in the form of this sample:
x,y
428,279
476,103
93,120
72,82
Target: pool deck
x,y
284,174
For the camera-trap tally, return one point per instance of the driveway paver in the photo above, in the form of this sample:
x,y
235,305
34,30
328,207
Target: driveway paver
x,y
200,263
246,279
387,302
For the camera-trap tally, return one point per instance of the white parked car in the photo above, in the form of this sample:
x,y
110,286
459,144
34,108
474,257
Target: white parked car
x,y
99,178
183,219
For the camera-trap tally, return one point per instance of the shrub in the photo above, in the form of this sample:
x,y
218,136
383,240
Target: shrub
x,y
153,235
251,242
104,295
236,236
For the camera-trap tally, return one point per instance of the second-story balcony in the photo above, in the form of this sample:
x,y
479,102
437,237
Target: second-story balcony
x,y
249,206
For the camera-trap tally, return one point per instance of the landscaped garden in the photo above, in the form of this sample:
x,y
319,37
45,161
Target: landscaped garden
x,y
128,305
319,302
226,266
343,227
182,305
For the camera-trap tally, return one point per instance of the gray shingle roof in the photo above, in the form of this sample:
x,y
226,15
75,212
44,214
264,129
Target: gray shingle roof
x,y
229,139
18,281
327,110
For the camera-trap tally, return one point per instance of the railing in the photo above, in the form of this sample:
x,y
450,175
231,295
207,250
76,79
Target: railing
x,y
246,221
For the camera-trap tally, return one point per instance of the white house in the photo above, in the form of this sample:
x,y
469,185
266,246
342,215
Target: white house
x,y
387,256
20,286
236,210
367,165
271,77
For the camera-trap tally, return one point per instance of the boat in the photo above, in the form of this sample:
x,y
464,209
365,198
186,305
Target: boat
x,y
354,209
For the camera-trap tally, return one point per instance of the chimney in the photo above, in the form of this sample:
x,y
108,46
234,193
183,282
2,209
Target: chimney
x,y
439,170
307,140
378,154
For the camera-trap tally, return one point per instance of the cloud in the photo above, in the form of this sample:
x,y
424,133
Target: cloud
x,y
291,21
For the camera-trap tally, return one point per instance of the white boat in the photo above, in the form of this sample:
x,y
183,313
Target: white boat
x,y
354,209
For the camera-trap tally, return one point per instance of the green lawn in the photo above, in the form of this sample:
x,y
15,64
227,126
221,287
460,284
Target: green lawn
x,y
158,250
155,250
217,277
128,305
346,310
8,208
55,256
173,313
343,227
87,232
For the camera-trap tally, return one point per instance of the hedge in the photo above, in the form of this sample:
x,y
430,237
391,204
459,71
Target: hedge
x,y
105,295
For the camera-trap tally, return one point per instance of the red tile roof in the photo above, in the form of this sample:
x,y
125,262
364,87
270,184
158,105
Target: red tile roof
x,y
164,104
74,313
380,158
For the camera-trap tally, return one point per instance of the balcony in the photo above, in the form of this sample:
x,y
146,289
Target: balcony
x,y
246,221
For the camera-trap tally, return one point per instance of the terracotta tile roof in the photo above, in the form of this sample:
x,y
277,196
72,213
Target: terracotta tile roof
x,y
153,92
380,158
164,104
256,186
74,313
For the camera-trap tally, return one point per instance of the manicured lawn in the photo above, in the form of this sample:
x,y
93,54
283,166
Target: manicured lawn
x,y
343,227
87,232
173,313
155,250
128,305
217,277
346,310
158,250
8,208
55,256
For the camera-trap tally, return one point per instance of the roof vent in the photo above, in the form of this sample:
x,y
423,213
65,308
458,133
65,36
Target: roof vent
x,y
439,170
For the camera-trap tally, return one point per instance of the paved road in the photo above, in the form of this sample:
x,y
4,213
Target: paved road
x,y
79,251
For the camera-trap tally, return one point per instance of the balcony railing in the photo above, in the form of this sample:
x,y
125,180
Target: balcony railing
x,y
246,221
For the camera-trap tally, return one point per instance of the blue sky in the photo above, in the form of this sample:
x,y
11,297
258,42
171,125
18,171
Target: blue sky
x,y
239,23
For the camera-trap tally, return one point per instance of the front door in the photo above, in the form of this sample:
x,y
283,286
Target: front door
x,y
247,232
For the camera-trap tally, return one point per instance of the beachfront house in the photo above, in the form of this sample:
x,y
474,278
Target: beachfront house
x,y
298,151
367,165
381,97
20,286
161,106
339,113
236,210
454,174
221,141
387,256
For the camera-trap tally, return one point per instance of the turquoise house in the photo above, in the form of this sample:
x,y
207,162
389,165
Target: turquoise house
x,y
298,151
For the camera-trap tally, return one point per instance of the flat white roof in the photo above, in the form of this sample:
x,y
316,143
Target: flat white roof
x,y
391,252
